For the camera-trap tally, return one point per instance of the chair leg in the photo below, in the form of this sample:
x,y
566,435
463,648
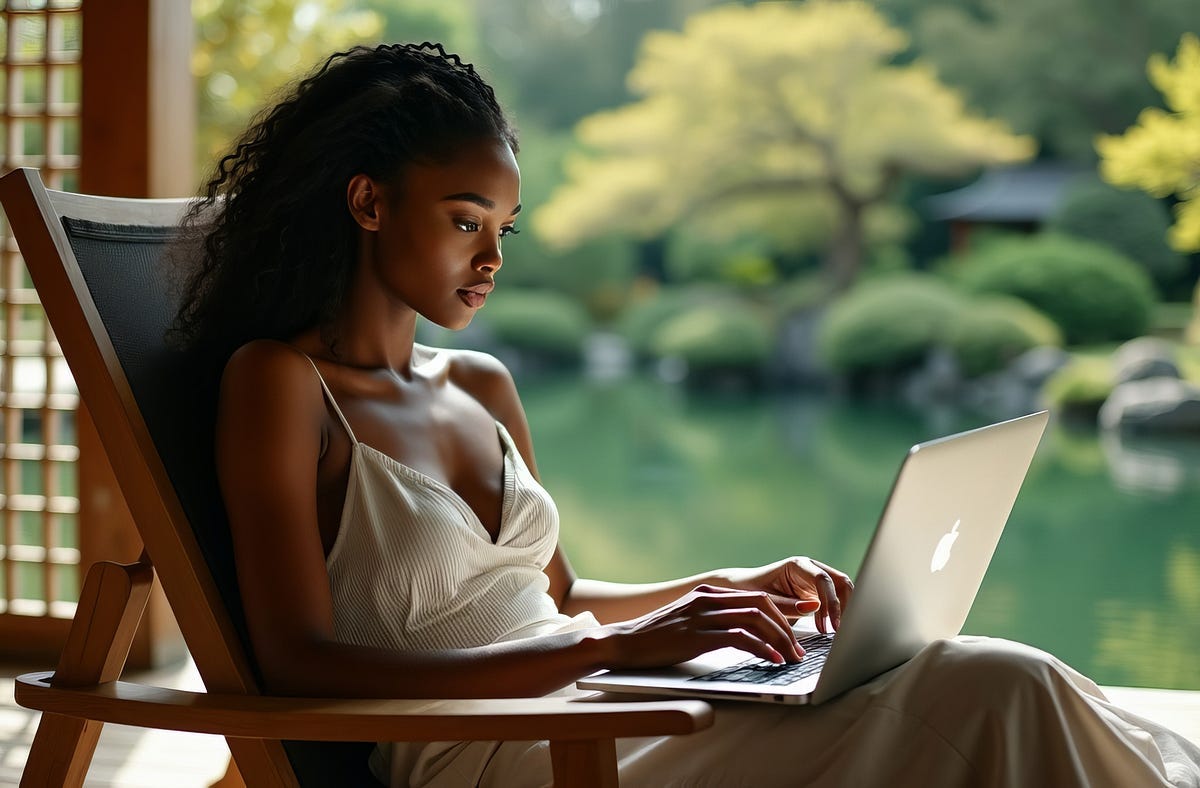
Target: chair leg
x,y
110,606
231,779
584,764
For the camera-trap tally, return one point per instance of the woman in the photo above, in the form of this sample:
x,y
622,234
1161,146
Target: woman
x,y
383,497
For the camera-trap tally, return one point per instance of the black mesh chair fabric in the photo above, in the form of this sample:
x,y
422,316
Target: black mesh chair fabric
x,y
125,267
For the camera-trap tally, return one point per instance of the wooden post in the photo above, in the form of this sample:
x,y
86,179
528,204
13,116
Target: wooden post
x,y
137,132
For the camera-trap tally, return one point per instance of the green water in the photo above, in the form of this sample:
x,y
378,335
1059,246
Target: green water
x,y
1099,564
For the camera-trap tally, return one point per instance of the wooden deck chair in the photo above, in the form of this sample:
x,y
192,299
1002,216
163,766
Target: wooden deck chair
x,y
97,264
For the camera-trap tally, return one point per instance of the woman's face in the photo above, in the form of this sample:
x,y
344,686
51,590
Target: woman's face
x,y
436,249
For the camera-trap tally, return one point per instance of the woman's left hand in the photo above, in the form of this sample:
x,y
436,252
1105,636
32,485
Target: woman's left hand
x,y
798,579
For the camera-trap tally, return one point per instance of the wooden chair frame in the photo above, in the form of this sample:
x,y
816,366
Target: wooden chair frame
x,y
84,691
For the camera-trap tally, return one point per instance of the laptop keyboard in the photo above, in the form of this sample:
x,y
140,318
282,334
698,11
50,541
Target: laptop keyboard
x,y
759,671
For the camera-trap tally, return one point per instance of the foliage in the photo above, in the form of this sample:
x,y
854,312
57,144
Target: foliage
x,y
1192,333
451,24
1161,154
639,324
246,50
1133,223
768,116
712,337
543,322
561,59
993,331
1080,387
888,324
1061,71
596,274
1092,292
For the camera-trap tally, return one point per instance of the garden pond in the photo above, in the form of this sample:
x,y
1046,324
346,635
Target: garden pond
x,y
1099,564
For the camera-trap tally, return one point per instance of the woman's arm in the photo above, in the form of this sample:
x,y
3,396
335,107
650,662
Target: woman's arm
x,y
797,585
269,441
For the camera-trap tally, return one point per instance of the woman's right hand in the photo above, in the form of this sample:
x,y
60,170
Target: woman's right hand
x,y
705,619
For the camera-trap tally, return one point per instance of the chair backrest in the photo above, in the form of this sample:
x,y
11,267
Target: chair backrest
x,y
103,268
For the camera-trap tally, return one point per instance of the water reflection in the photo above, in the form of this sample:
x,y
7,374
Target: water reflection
x,y
653,482
1152,464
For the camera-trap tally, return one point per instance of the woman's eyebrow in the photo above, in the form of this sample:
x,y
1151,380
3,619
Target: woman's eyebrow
x,y
478,199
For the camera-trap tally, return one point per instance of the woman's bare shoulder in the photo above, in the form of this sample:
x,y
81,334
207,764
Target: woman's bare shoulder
x,y
268,362
485,378
270,377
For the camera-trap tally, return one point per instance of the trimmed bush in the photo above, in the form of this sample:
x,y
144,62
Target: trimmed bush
x,y
731,336
1093,293
641,321
994,331
1131,222
539,321
1080,388
887,325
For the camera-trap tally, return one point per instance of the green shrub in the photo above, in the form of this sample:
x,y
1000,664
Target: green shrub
x,y
640,321
540,321
1093,293
993,331
1080,387
711,336
887,324
1132,222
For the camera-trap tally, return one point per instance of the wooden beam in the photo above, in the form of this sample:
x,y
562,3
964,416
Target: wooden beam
x,y
137,134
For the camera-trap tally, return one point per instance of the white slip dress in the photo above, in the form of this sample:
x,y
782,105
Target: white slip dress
x,y
412,567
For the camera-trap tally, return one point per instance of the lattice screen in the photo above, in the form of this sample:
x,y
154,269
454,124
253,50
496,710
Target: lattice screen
x,y
39,504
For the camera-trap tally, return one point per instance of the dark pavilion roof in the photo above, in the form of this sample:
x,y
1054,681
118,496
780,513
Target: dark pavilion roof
x,y
1028,193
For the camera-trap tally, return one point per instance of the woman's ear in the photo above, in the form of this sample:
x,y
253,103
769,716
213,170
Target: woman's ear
x,y
363,197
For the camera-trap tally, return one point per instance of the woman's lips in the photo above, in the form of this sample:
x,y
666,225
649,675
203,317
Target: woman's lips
x,y
471,298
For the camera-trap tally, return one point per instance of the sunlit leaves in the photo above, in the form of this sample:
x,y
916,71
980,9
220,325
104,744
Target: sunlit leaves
x,y
247,49
1161,153
799,105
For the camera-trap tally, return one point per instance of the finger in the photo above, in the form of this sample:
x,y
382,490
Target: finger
x,y
791,607
843,584
741,639
759,624
833,605
743,599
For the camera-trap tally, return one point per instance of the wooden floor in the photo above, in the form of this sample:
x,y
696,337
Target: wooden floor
x,y
137,758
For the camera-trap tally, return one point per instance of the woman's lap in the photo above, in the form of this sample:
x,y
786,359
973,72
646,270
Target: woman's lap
x,y
971,711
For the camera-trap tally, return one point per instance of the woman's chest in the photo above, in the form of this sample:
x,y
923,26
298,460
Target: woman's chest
x,y
446,440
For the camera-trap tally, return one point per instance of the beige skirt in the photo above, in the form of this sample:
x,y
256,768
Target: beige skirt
x,y
964,712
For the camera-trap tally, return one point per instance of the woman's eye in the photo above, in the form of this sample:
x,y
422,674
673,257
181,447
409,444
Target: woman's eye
x,y
507,231
467,226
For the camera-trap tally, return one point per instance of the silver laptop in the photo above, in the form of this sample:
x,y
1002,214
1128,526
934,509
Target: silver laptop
x,y
916,584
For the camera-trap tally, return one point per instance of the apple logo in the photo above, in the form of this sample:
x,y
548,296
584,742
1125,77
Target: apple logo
x,y
941,555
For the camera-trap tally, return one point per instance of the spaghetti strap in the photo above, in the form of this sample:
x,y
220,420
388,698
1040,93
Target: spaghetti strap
x,y
332,401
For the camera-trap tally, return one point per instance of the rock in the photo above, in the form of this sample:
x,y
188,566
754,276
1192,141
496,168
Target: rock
x,y
1144,358
1035,366
938,379
1163,404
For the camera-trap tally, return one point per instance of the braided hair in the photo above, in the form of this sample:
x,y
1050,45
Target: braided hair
x,y
279,243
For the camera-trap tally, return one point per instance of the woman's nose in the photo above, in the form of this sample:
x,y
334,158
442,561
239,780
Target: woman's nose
x,y
489,259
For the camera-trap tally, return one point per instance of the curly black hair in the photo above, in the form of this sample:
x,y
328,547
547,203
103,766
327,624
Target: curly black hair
x,y
279,241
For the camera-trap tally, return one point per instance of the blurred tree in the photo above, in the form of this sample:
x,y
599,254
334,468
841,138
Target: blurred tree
x,y
1061,71
1133,223
451,23
247,49
563,59
1161,154
782,119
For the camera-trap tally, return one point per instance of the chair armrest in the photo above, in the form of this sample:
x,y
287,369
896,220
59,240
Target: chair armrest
x,y
335,719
